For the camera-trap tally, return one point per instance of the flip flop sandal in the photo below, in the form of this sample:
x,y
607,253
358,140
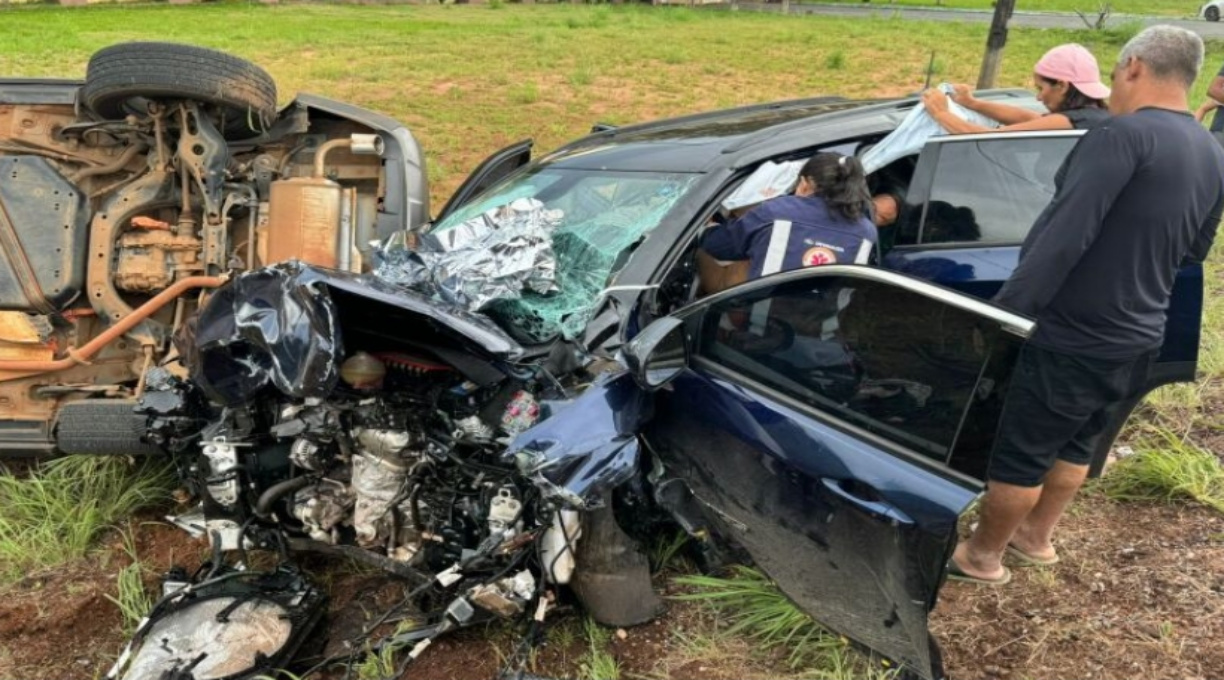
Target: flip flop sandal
x,y
955,573
1024,559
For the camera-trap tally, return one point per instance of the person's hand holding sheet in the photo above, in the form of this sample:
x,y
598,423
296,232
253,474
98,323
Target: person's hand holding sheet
x,y
935,101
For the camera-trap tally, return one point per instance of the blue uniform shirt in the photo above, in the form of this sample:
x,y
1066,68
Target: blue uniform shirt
x,y
790,232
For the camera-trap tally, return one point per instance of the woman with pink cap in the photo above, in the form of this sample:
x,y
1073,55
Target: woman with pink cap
x,y
1068,83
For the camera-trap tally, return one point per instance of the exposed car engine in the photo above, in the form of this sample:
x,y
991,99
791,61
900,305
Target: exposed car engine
x,y
401,462
330,412
400,467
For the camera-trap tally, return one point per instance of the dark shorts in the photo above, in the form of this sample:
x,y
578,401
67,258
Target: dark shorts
x,y
1059,406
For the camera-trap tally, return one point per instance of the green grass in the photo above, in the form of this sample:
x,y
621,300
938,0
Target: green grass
x,y
583,75
667,552
54,515
597,663
133,600
752,606
1172,8
1167,468
527,93
378,665
1176,405
383,662
1168,463
468,81
566,632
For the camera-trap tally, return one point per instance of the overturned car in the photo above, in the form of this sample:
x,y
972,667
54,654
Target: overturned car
x,y
495,404
127,196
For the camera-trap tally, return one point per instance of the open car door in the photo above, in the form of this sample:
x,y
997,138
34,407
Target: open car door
x,y
972,202
835,422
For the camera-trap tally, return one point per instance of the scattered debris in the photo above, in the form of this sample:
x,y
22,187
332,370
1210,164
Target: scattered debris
x,y
225,624
434,455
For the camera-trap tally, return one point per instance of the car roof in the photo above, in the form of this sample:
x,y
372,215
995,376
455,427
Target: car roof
x,y
734,137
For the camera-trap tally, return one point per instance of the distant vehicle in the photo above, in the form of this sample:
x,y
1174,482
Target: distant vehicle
x,y
1211,10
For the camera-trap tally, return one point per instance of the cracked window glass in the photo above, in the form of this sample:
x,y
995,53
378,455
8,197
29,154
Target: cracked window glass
x,y
602,215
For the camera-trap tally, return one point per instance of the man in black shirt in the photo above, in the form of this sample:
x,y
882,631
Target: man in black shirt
x,y
1139,197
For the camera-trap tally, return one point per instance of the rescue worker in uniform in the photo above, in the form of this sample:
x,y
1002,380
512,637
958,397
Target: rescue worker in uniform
x,y
826,221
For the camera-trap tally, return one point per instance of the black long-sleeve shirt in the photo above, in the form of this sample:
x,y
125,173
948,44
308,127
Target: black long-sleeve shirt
x,y
1139,197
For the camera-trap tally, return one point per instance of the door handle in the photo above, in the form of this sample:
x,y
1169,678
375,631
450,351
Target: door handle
x,y
875,506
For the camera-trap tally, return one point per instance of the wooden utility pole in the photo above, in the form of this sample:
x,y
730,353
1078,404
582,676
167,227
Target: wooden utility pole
x,y
995,43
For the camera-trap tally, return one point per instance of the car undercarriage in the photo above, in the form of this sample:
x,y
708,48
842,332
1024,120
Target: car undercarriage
x,y
165,172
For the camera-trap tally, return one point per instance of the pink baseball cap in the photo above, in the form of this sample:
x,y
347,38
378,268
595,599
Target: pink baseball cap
x,y
1073,64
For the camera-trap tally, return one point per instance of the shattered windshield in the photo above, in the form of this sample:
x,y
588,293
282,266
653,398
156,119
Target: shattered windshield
x,y
592,218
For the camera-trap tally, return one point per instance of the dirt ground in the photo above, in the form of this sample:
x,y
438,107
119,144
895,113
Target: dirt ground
x,y
59,623
1139,593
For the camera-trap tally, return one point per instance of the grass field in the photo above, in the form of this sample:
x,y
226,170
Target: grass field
x,y
1171,8
468,80
1174,8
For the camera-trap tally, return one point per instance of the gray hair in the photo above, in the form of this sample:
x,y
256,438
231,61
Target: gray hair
x,y
1171,53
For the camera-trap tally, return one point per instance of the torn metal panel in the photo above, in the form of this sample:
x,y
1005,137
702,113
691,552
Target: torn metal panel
x,y
589,447
275,326
217,638
233,625
507,597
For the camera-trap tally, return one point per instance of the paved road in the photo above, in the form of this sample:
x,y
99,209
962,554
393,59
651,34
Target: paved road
x,y
1025,19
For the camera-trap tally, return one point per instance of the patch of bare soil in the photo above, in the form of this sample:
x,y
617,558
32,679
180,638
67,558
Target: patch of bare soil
x,y
59,624
1208,424
1139,593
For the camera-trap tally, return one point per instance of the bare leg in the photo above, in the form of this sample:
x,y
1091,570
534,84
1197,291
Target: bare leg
x,y
1004,508
1036,533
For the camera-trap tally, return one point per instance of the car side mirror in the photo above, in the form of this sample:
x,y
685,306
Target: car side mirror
x,y
658,353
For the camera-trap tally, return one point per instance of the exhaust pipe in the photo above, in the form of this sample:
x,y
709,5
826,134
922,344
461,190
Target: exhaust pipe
x,y
83,354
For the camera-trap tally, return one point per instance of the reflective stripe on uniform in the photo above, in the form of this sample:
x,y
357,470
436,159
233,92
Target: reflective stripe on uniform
x,y
775,255
864,252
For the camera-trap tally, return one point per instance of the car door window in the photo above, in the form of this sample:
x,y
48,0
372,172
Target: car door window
x,y
985,190
902,365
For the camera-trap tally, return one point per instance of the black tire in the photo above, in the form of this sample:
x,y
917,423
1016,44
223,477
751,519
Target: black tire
x,y
119,77
102,427
1212,14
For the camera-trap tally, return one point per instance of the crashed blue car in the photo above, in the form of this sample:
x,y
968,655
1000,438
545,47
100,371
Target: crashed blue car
x,y
515,394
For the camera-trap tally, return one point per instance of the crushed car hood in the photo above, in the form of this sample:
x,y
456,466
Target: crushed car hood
x,y
281,326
